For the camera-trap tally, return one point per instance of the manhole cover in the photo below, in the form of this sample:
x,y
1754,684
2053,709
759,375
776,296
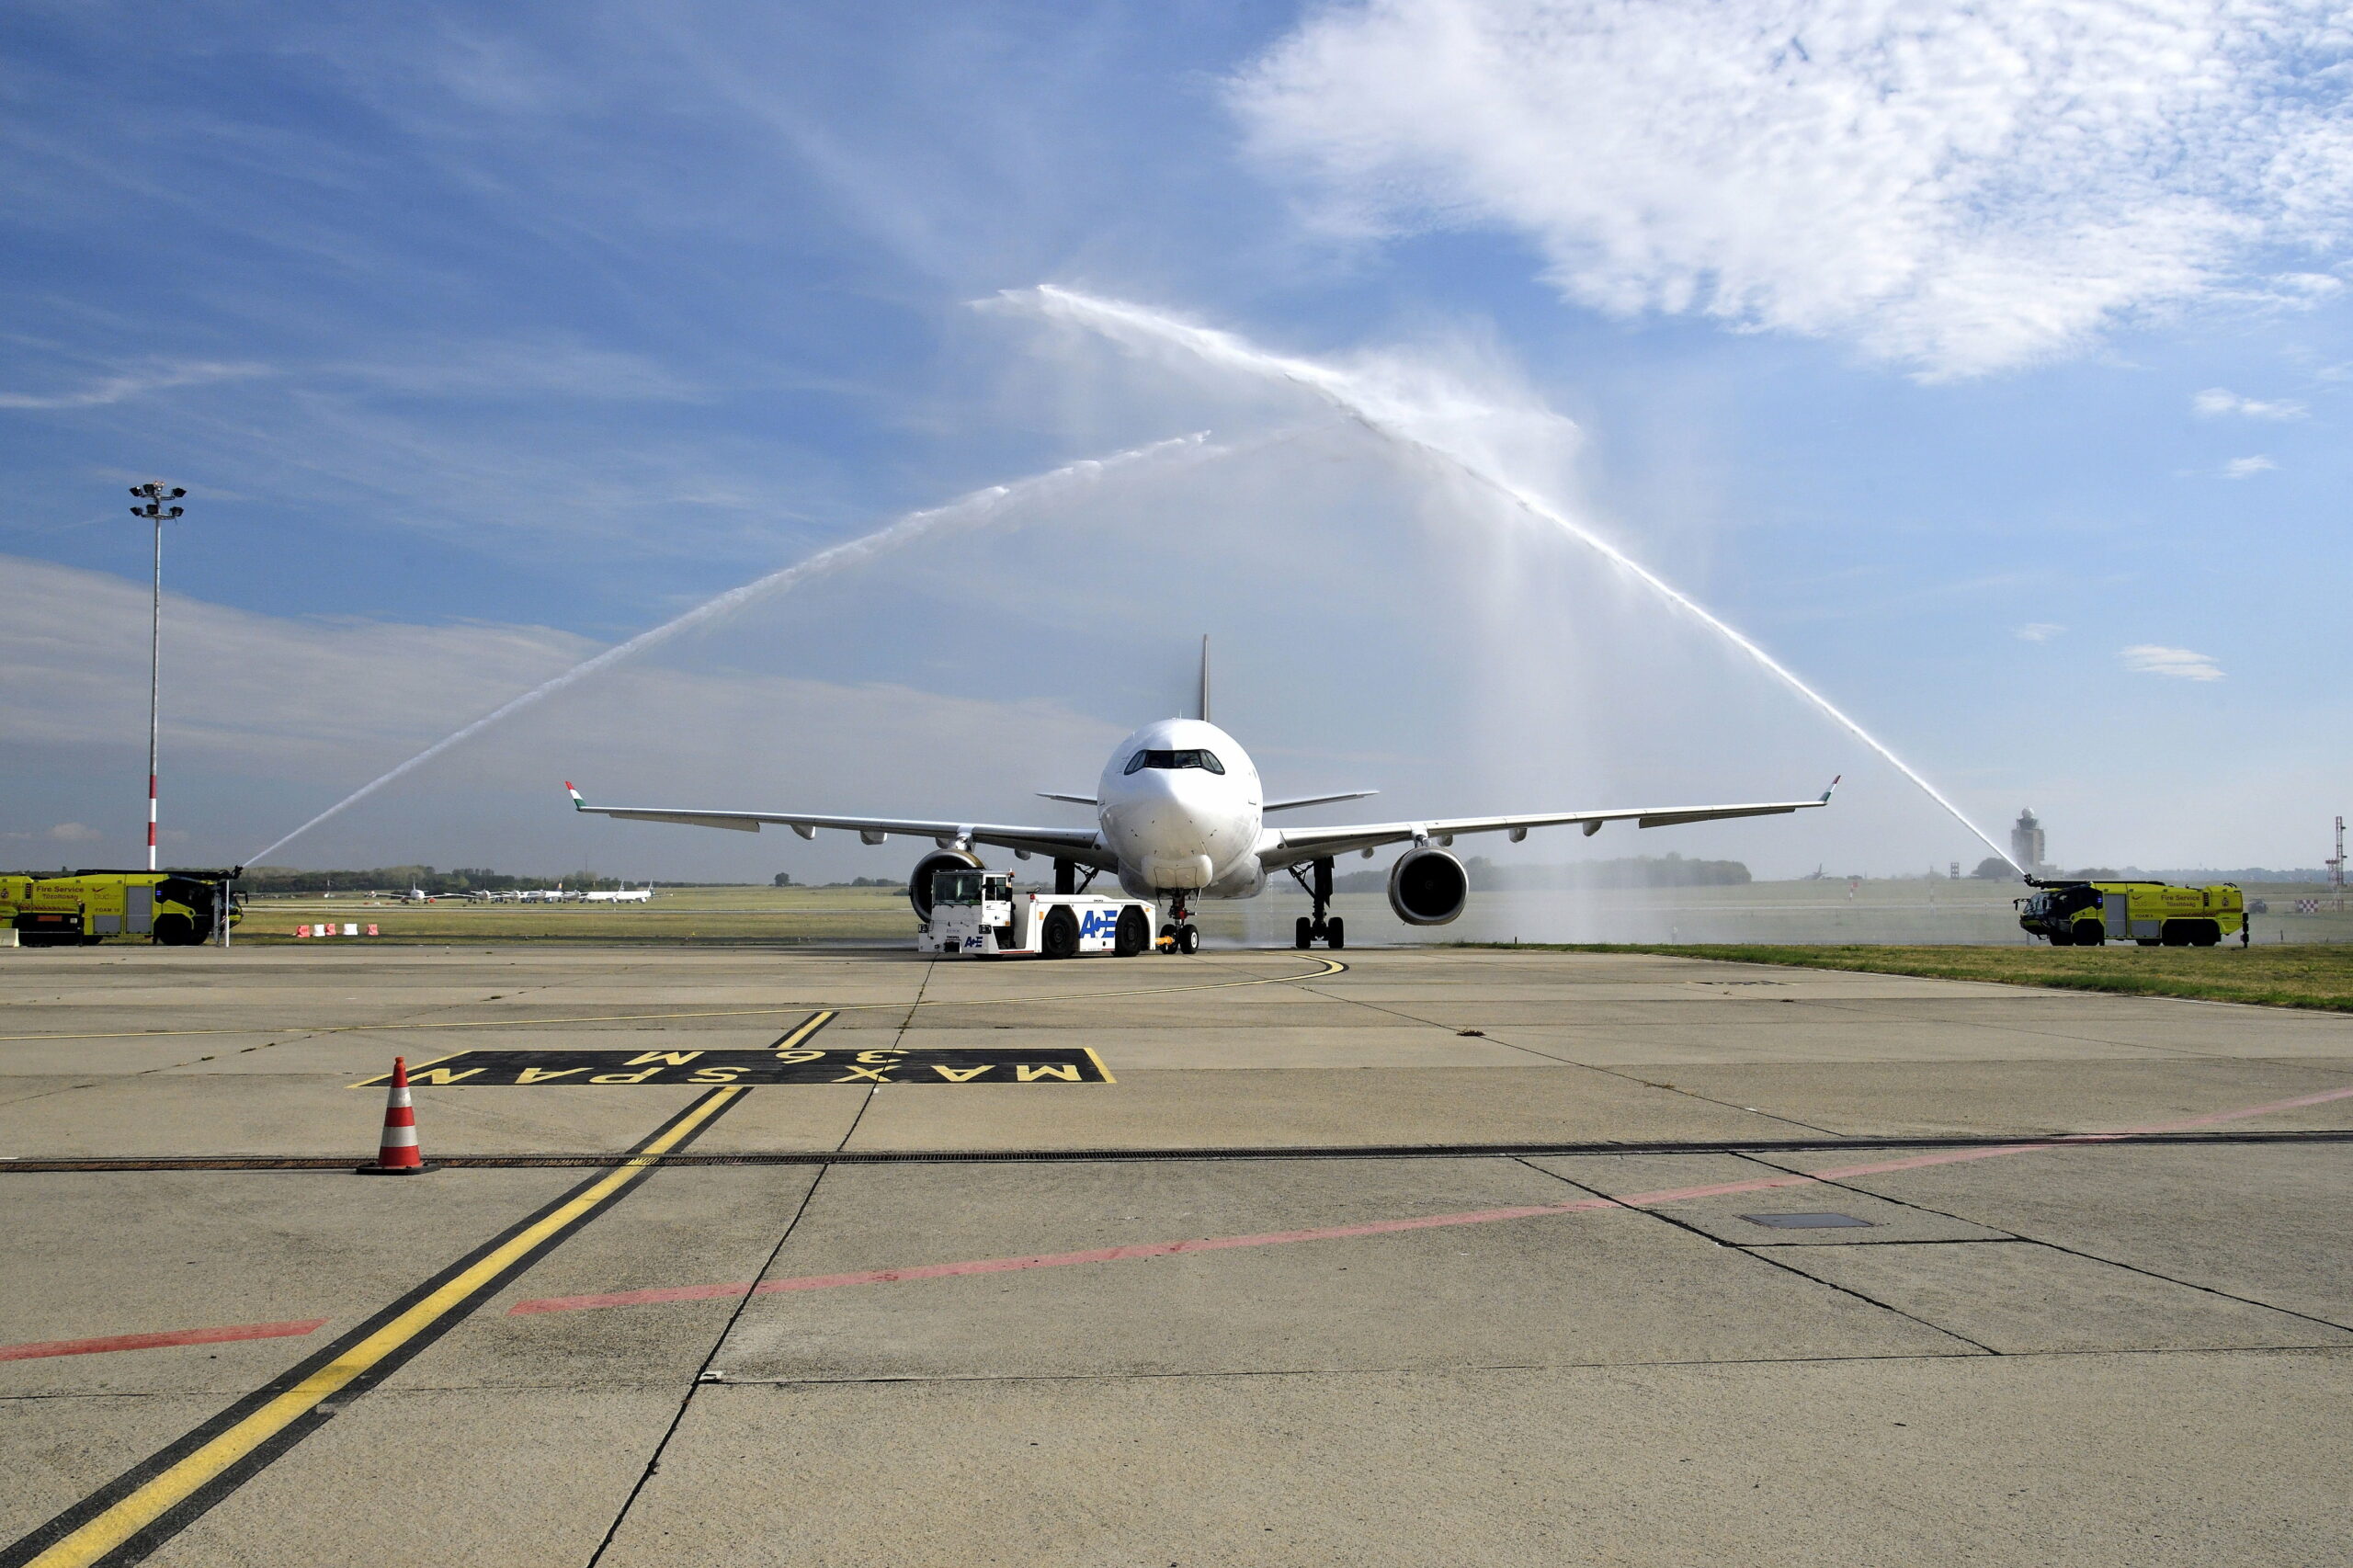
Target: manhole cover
x,y
1804,1221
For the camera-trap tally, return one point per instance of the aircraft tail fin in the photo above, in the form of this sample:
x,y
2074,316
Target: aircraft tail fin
x,y
1204,714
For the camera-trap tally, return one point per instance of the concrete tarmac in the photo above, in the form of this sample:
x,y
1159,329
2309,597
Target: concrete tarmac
x,y
1442,1256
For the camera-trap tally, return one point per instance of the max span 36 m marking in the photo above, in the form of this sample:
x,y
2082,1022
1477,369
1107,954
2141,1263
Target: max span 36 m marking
x,y
710,1069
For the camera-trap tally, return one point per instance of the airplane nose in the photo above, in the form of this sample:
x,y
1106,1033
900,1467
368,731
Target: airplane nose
x,y
1171,809
1181,795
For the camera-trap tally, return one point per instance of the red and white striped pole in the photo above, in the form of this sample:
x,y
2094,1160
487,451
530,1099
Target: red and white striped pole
x,y
398,1155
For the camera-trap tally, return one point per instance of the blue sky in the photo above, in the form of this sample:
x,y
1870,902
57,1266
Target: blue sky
x,y
1990,369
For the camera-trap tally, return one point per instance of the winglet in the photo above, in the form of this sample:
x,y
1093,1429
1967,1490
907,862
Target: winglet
x,y
578,803
1834,784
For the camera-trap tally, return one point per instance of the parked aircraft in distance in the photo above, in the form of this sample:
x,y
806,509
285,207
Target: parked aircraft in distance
x,y
622,895
1180,815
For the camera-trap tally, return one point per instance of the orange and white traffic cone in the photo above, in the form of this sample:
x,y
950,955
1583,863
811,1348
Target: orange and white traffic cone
x,y
398,1155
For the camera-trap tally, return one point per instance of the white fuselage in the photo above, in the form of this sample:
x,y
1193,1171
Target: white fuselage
x,y
1180,805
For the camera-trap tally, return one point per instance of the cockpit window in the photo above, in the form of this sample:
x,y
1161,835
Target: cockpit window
x,y
1202,759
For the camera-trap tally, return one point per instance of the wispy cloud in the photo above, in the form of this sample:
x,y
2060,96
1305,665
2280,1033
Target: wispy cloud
x,y
519,369
73,833
130,383
2150,659
1959,186
2246,467
2216,402
2039,631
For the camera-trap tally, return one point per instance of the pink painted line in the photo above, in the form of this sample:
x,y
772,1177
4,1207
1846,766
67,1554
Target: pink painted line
x,y
2214,1118
41,1347
1381,1227
1044,1260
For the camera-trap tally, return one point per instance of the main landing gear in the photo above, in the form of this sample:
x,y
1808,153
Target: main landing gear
x,y
1331,931
1180,934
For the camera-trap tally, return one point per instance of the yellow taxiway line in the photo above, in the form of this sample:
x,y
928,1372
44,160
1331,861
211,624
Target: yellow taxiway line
x,y
174,1485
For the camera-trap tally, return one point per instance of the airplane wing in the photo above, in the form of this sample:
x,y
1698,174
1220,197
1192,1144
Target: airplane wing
x,y
1292,846
1080,845
1316,800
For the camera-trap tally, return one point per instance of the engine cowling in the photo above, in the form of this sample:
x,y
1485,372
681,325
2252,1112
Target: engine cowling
x,y
919,883
1247,879
1428,887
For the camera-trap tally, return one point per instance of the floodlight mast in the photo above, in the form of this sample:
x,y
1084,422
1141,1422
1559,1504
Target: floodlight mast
x,y
156,492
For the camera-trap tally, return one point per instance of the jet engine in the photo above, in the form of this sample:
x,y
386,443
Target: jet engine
x,y
919,884
1428,887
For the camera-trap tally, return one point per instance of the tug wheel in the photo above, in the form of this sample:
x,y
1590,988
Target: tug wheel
x,y
1133,936
1060,939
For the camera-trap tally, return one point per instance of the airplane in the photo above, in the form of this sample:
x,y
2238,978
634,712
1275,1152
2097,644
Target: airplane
x,y
1180,816
623,895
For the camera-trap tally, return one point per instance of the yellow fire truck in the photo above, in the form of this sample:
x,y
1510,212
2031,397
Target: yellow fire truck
x,y
2084,914
171,908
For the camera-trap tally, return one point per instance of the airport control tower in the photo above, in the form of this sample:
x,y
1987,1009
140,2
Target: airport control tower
x,y
2026,842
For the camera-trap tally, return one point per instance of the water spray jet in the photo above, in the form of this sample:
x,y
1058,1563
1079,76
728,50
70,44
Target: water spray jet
x,y
1388,417
977,506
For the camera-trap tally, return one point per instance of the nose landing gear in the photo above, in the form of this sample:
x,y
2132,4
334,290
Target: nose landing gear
x,y
1180,934
1331,931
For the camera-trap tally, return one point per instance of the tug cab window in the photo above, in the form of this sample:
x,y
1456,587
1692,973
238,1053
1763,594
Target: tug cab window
x,y
956,887
1201,759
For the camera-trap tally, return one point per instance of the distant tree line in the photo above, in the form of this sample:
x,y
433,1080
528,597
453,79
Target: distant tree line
x,y
1669,871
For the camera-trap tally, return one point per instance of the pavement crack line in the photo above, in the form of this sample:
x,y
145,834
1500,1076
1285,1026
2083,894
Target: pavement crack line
x,y
1127,1251
2057,1246
719,1340
1454,1368
312,1164
703,1372
1685,1225
1862,1008
1572,1062
128,1518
